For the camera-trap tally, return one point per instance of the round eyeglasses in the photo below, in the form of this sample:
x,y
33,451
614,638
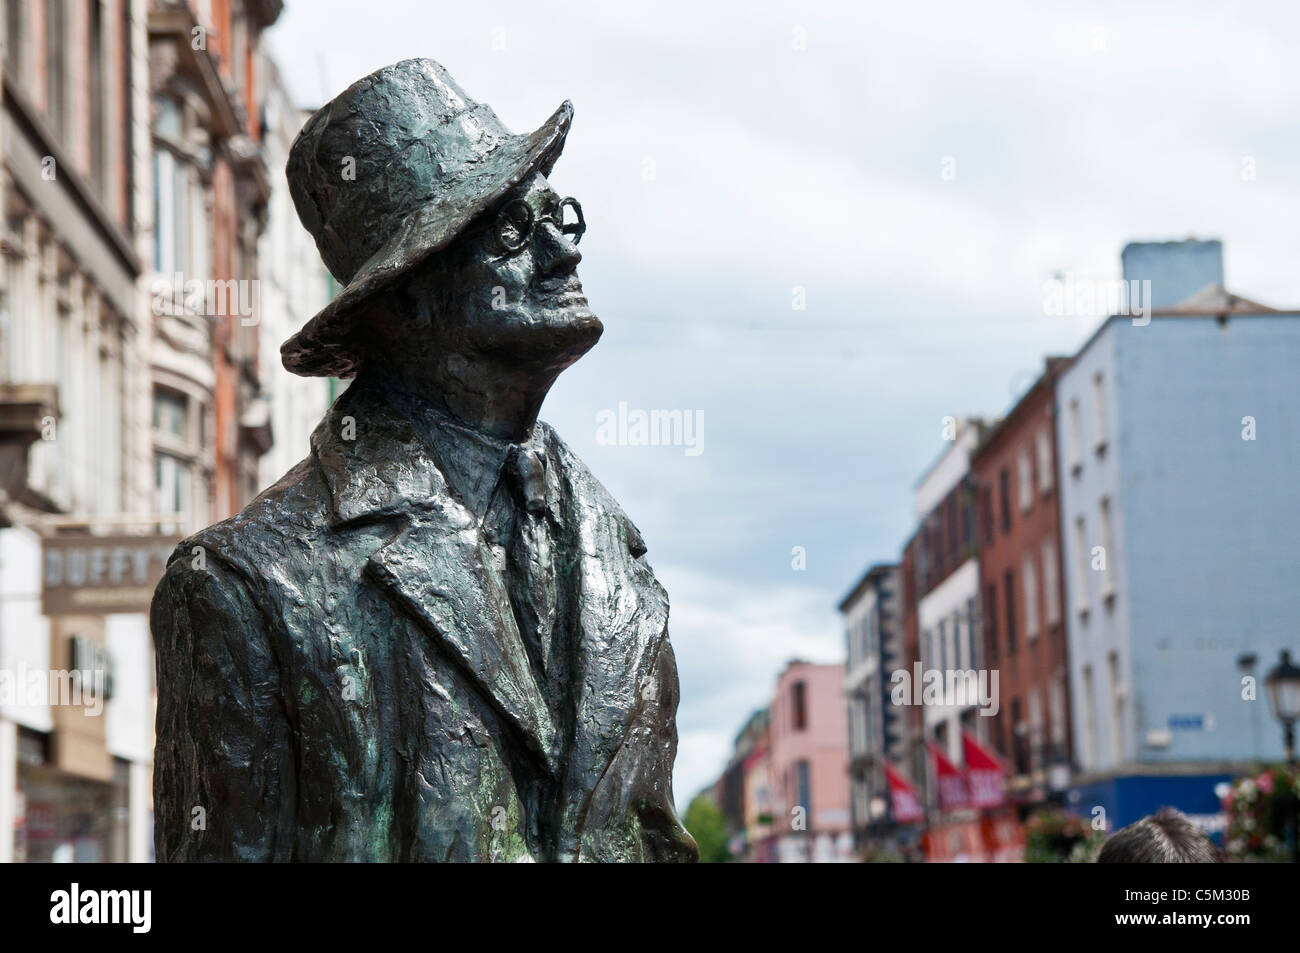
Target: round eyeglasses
x,y
517,220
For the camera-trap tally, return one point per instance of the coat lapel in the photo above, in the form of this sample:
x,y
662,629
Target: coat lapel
x,y
622,615
437,566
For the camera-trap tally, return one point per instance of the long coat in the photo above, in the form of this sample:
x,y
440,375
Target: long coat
x,y
341,676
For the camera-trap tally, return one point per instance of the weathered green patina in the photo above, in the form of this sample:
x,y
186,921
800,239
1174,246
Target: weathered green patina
x,y
437,638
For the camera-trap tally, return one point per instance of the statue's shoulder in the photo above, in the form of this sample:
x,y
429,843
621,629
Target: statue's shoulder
x,y
278,529
591,491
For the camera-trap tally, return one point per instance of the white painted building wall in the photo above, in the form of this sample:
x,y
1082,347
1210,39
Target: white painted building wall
x,y
294,286
1096,604
949,603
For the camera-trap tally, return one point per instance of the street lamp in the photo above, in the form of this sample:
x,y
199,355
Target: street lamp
x,y
1283,684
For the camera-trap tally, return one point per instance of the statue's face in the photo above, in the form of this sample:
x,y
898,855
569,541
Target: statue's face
x,y
510,286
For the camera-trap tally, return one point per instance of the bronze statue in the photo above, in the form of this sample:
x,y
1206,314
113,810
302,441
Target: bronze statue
x,y
436,638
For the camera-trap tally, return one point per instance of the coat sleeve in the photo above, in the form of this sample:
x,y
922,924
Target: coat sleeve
x,y
223,760
631,815
663,837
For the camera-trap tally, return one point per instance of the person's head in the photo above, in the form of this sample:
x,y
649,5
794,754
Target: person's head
x,y
1165,837
456,260
506,292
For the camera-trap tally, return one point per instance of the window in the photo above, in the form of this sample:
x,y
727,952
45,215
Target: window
x,y
1089,720
99,112
55,70
1029,582
110,428
858,727
1009,584
1018,731
991,621
1076,438
171,484
1056,711
1035,729
179,485
954,528
968,520
968,639
868,726
165,234
943,645
15,36
804,780
1082,562
987,517
169,413
958,642
1107,576
936,529
1043,443
1117,709
1051,583
1004,498
1024,480
800,703
1099,407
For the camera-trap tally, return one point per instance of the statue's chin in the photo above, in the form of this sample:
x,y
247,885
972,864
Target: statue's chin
x,y
556,337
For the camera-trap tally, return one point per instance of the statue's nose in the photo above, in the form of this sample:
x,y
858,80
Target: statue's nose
x,y
553,251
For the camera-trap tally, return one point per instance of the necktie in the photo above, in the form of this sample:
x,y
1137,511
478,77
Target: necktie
x,y
529,565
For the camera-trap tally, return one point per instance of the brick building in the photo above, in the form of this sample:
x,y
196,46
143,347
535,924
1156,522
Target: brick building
x,y
1024,633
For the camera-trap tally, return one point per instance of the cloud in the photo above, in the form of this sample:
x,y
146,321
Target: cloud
x,y
731,639
1072,133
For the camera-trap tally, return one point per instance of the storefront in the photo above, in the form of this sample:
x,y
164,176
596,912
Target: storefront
x,y
60,817
1125,800
76,696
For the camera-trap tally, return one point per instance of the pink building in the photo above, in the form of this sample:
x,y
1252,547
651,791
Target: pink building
x,y
809,764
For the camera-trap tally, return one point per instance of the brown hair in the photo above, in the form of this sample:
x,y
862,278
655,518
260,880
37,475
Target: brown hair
x,y
1165,837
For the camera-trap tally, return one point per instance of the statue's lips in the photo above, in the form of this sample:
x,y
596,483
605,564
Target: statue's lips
x,y
565,290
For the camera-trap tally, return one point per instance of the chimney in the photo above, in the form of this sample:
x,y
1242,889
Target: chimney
x,y
1176,270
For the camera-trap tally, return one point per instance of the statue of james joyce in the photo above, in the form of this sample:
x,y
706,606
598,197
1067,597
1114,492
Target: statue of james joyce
x,y
437,637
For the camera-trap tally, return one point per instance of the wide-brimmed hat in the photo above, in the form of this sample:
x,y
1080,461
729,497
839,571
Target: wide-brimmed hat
x,y
386,174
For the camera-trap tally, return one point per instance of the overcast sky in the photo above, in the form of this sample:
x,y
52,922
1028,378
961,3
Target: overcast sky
x,y
728,153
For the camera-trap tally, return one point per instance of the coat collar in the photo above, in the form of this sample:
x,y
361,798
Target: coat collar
x,y
437,566
441,570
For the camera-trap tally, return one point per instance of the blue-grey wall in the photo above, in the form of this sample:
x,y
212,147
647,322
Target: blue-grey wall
x,y
1176,270
1211,524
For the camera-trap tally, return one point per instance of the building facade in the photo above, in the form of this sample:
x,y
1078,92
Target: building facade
x,y
809,765
211,189
75,677
127,154
295,285
873,647
1179,442
1015,469
758,796
947,592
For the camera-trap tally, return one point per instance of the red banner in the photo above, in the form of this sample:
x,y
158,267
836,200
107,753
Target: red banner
x,y
953,794
907,806
985,776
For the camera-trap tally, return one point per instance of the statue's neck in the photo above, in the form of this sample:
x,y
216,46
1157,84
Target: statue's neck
x,y
500,405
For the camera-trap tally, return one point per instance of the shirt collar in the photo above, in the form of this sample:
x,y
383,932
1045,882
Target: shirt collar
x,y
470,460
